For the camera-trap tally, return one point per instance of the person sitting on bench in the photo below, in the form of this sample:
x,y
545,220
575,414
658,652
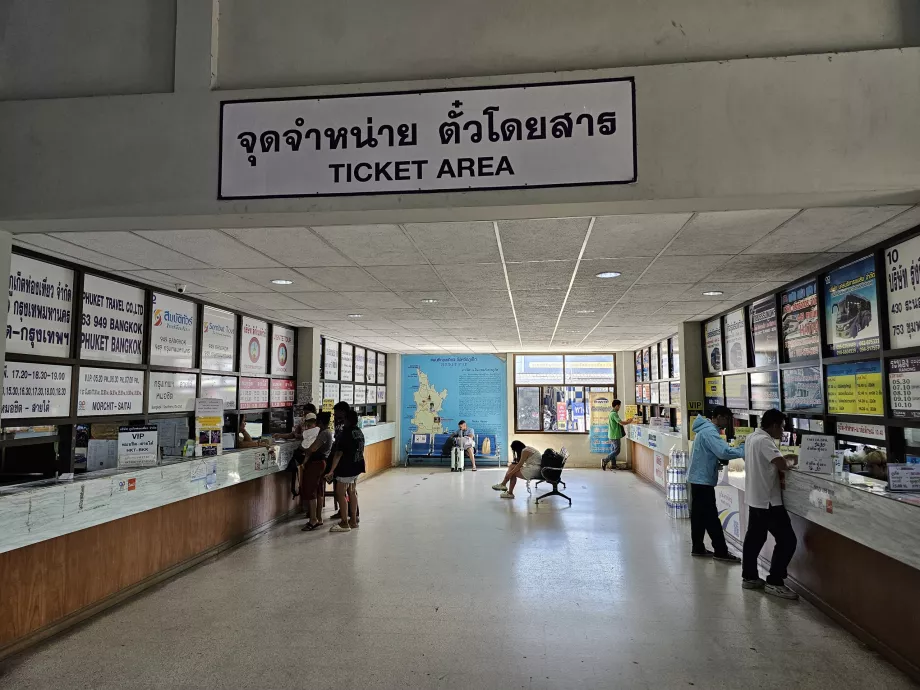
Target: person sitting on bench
x,y
526,465
465,441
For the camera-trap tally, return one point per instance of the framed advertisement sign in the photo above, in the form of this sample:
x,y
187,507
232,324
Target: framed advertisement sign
x,y
765,390
360,357
218,339
903,293
170,391
112,328
713,391
855,388
110,392
664,357
801,332
713,330
35,390
253,393
253,347
347,362
737,395
371,367
223,387
281,392
763,332
803,389
330,360
735,340
40,309
655,361
647,364
282,351
173,331
904,387
851,309
381,369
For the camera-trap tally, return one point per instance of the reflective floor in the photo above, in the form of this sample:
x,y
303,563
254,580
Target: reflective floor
x,y
445,585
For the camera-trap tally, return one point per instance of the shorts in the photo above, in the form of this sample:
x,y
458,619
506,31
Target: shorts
x,y
312,484
347,480
530,472
464,442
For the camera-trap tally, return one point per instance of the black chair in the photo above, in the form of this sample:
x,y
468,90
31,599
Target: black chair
x,y
552,473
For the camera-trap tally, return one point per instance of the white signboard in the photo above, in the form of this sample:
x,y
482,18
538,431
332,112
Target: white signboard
x,y
371,367
735,341
360,355
817,454
360,394
253,394
282,351
903,293
346,363
40,308
873,431
254,347
714,346
171,392
223,387
330,360
110,392
381,368
282,392
659,469
113,321
330,391
218,339
347,393
172,332
137,446
526,135
381,394
903,477
35,390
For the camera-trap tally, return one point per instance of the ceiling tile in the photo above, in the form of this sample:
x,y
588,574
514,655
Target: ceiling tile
x,y
216,279
459,243
898,224
270,300
407,279
728,232
746,268
375,300
629,270
819,229
729,291
536,240
677,269
445,299
341,278
372,245
131,248
72,252
213,246
813,263
660,292
323,300
295,247
684,308
472,276
537,275
164,280
638,235
264,277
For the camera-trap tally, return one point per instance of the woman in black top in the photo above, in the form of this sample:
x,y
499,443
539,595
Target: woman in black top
x,y
347,465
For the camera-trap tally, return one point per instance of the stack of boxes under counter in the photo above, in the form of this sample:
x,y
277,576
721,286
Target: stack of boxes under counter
x,y
676,499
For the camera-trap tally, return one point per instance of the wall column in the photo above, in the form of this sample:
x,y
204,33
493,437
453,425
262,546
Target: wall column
x,y
309,352
689,335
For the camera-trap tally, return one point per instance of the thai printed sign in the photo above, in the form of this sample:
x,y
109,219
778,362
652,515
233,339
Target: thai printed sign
x,y
137,446
360,355
347,363
113,321
763,330
223,387
330,360
735,340
218,339
170,391
110,392
873,431
253,394
371,367
282,392
172,333
800,322
282,351
601,405
35,390
40,308
381,370
253,355
526,135
903,284
714,346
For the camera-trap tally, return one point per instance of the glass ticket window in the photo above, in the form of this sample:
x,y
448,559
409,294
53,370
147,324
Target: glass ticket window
x,y
29,453
864,459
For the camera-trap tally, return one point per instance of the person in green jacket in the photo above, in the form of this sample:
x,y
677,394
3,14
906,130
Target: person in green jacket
x,y
616,429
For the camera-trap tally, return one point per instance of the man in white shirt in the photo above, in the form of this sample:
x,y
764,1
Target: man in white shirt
x,y
764,466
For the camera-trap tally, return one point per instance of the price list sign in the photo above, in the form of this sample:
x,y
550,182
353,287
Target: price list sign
x,y
904,387
855,389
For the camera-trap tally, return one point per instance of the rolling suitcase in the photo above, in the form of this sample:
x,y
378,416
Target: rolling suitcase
x,y
457,459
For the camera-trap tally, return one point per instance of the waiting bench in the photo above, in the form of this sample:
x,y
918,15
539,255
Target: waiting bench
x,y
428,447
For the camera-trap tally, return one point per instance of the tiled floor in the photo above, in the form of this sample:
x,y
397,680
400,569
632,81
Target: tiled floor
x,y
446,585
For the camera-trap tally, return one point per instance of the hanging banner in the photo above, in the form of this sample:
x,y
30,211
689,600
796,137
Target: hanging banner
x,y
330,360
110,392
253,394
800,322
763,331
39,309
113,321
855,389
347,363
735,340
851,308
904,387
713,331
713,391
903,287
35,390
218,339
171,392
803,389
495,137
172,331
765,390
253,347
601,405
381,369
282,392
360,355
282,351
223,387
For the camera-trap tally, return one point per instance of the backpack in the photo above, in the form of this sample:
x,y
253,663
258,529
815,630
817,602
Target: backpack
x,y
447,447
552,459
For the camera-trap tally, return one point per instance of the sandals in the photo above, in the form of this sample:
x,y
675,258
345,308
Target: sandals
x,y
310,527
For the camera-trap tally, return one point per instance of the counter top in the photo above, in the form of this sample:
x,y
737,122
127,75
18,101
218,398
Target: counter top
x,y
378,433
661,441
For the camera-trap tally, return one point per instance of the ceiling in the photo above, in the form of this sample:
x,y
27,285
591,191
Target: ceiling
x,y
518,285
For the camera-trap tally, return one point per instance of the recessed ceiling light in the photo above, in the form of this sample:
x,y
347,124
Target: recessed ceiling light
x,y
585,311
429,301
712,293
608,274
354,316
282,281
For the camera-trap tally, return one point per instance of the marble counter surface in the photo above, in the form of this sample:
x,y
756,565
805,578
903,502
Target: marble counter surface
x,y
378,433
43,510
656,439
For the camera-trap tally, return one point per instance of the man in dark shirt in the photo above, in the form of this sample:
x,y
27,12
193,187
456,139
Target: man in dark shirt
x,y
347,465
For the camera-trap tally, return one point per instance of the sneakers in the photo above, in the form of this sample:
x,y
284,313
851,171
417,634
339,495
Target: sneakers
x,y
338,528
506,494
499,487
781,591
705,553
727,558
752,584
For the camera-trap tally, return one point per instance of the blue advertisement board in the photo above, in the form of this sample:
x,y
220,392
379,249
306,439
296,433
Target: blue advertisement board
x,y
440,390
851,308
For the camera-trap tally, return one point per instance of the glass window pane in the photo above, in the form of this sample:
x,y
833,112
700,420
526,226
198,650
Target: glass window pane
x,y
564,409
528,409
538,369
581,369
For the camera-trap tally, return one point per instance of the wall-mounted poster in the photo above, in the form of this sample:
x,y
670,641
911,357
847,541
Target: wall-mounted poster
x,y
713,391
253,394
647,364
713,330
737,395
735,341
904,387
360,355
664,393
903,288
218,339
800,322
763,330
331,391
282,351
281,392
675,392
253,347
172,331
674,348
169,391
664,358
381,369
330,360
851,309
654,391
113,321
40,311
654,361
347,393
347,362
647,392
35,390
855,388
371,367
223,387
110,392
803,389
381,394
765,390
360,394
638,365
639,393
